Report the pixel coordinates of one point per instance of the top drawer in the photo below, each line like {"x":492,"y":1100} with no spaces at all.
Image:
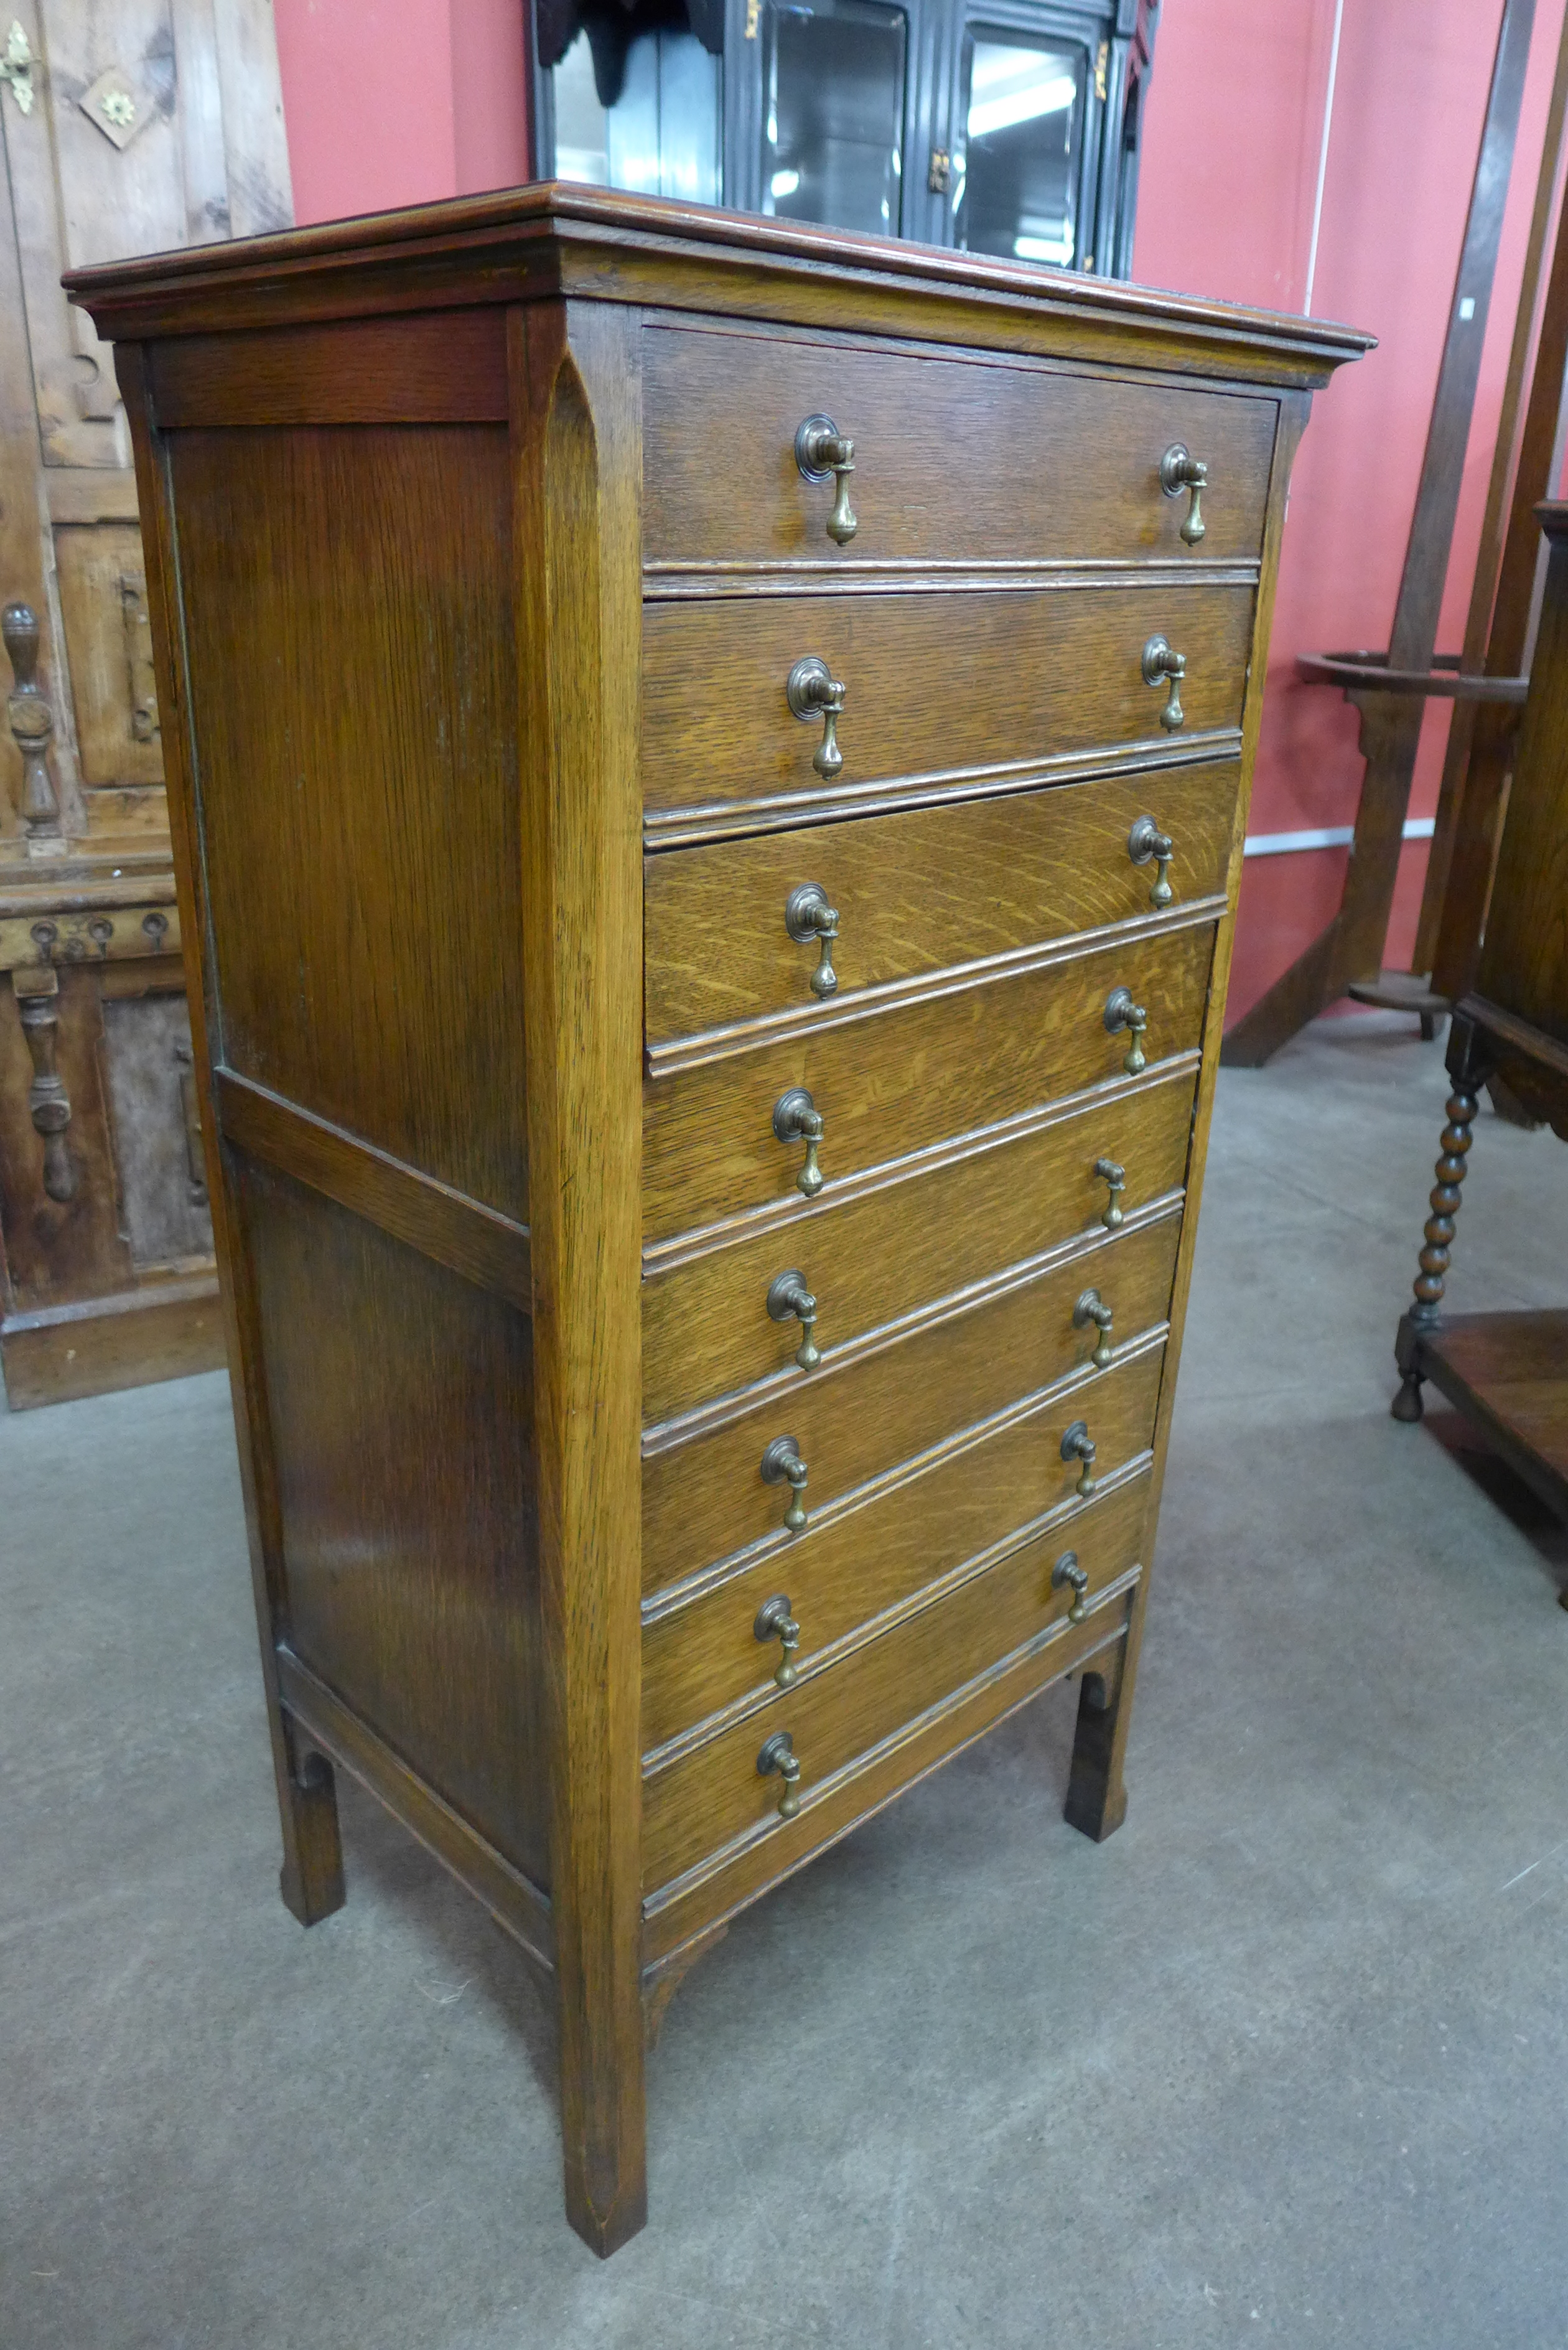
{"x":956,"y":460}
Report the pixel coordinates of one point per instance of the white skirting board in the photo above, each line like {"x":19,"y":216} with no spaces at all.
{"x":1334,"y":835}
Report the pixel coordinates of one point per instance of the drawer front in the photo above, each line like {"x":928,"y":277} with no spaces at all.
{"x":714,"y":1794}
{"x":705,"y":1499}
{"x":934,"y":685}
{"x":865,"y":1558}
{"x":909,"y":1078}
{"x":928,"y":890}
{"x":871,"y":1260}
{"x":954,"y":459}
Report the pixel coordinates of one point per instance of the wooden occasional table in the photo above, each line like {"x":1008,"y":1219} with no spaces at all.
{"x":1508,"y":1372}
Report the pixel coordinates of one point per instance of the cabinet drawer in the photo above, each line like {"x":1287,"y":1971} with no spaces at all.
{"x":935,"y":686}
{"x":871,"y":1259}
{"x":865,"y":1558}
{"x":712,"y":1794}
{"x":955,"y":460}
{"x":931,"y":889}
{"x":898,"y":1081}
{"x":704,"y":1497}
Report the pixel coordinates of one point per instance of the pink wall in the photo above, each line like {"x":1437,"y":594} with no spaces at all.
{"x":390,"y":103}
{"x":395,"y":102}
{"x":1225,"y":208}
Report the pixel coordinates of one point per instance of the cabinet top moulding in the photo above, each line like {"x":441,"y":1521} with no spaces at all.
{"x":553,"y":240}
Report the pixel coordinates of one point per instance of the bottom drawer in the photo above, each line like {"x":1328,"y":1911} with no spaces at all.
{"x":713,"y":1796}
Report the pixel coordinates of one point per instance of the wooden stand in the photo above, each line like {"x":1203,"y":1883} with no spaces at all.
{"x":1508,"y":1373}
{"x":1390,"y":689}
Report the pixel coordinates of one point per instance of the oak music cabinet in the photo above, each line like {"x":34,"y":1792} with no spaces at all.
{"x":1507,"y":1372}
{"x":709,"y":966}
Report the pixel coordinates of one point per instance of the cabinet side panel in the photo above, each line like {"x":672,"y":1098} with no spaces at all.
{"x":401,"y":1409}
{"x":353,"y":684}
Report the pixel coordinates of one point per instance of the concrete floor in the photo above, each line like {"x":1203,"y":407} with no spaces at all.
{"x":1284,"y":2063}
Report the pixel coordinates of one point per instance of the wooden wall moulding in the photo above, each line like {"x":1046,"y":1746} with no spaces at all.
{"x":739,"y":1350}
{"x":125,"y":130}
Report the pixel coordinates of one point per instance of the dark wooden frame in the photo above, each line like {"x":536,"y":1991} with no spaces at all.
{"x":1108,"y":167}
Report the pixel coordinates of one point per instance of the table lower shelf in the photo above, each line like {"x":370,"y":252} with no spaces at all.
{"x":1508,"y":1375}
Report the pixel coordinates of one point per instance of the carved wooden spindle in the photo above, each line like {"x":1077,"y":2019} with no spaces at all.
{"x":1471,"y":1058}
{"x":32,"y":719}
{"x":48,"y":1104}
{"x":1438,"y":1231}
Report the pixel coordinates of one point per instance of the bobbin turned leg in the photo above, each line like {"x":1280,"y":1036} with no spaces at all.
{"x":311,"y":1878}
{"x":1469,"y":1060}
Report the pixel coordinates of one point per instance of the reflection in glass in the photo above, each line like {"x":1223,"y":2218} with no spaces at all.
{"x":834,"y":134}
{"x":660,"y":137}
{"x":1015,"y":180}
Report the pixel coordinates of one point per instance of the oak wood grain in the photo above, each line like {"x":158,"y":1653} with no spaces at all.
{"x":906,"y":1532}
{"x":412,"y":766}
{"x":714,"y":1793}
{"x":932,"y":682}
{"x":341,"y":917}
{"x":1096,"y":1795}
{"x":311,"y":1878}
{"x":513,"y":1900}
{"x":556,"y":239}
{"x":939,"y":887}
{"x":696,"y":1905}
{"x":891,"y":1083}
{"x":575,"y":445}
{"x":448,"y":368}
{"x":399,"y":1403}
{"x":935,"y":438}
{"x":892,"y":1250}
{"x":484,"y":1247}
{"x":704,"y":1500}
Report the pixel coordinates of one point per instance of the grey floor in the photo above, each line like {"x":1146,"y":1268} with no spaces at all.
{"x":1285,"y":2061}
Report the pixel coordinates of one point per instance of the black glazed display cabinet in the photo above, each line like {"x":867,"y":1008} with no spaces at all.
{"x":1011,"y":128}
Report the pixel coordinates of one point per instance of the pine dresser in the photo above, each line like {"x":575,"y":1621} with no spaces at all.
{"x":710,"y":762}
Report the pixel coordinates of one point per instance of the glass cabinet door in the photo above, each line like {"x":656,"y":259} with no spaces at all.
{"x":1018,"y":177}
{"x":660,"y":134}
{"x":834,"y":76}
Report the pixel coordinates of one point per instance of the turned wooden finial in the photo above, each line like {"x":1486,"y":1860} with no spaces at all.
{"x":32,"y":719}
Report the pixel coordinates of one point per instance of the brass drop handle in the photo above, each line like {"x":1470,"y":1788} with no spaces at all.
{"x":1067,"y":1572}
{"x":1146,"y":840}
{"x":808,"y":916}
{"x":1179,"y":471}
{"x":796,"y":1119}
{"x":775,"y":1622}
{"x":1121,"y":1012}
{"x":813,"y":692}
{"x":1079,"y":1445}
{"x":1092,"y":1307}
{"x":1115,"y":1178}
{"x":781,"y":1463}
{"x":789,"y":1296}
{"x":1161,"y":666}
{"x":779,"y":1756}
{"x":820,"y":451}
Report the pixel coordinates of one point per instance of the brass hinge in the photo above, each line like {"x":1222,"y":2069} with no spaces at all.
{"x":1101,"y":64}
{"x":940,"y":179}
